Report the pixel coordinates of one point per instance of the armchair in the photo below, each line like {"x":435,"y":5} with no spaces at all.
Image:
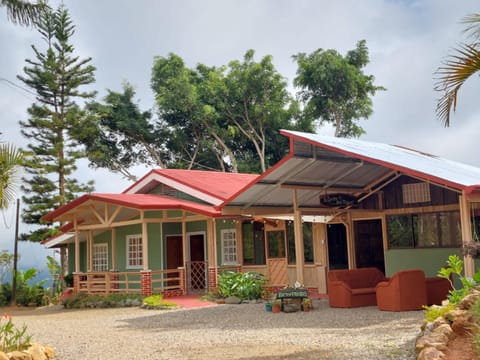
{"x":406,"y":290}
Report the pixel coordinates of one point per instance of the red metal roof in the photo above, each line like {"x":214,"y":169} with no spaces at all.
{"x":137,"y":201}
{"x":221,"y":185}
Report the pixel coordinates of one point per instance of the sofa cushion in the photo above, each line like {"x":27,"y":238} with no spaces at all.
{"x":358,"y":278}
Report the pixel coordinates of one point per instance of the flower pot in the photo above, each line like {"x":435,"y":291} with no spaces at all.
{"x":276,"y":309}
{"x":268,"y":307}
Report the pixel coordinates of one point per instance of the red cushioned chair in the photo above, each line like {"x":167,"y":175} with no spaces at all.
{"x":405,"y":290}
{"x":437,"y":290}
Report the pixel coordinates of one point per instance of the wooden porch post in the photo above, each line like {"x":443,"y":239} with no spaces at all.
{"x":298,"y":231}
{"x":90,"y":250}
{"x":114,"y":249}
{"x":144,"y":244}
{"x":465,"y":220}
{"x":77,"y":247}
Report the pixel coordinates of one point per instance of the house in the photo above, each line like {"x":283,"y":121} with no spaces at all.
{"x":330,"y":203}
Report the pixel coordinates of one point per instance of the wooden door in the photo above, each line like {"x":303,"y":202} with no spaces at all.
{"x":197,"y":264}
{"x":174,"y":257}
{"x":369,"y":244}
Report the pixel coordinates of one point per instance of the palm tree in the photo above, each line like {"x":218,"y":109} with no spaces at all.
{"x":23,"y":12}
{"x":10,"y":161}
{"x":458,"y":68}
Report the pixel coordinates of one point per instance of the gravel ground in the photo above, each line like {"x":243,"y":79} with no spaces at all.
{"x":244,"y":331}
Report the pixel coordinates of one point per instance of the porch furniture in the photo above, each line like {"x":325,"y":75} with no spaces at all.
{"x":353,"y":288}
{"x":405,"y":290}
{"x":437,"y":290}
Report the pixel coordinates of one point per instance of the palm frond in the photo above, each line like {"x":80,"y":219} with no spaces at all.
{"x":457,"y":69}
{"x":473,"y":26}
{"x":23,"y":12}
{"x":10,"y":161}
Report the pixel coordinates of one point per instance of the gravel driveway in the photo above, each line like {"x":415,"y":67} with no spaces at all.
{"x":244,"y":331}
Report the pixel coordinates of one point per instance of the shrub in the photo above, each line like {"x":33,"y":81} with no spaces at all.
{"x":455,"y":267}
{"x":11,"y":337}
{"x":433,"y":312}
{"x":246,"y":285}
{"x":157,"y":302}
{"x":81,"y":301}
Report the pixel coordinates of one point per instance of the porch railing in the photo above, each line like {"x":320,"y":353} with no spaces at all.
{"x":110,"y":282}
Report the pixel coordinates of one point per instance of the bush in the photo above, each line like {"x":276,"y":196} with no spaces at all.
{"x":11,"y":337}
{"x":82,"y":301}
{"x":246,"y":286}
{"x":433,"y":312}
{"x":157,"y":302}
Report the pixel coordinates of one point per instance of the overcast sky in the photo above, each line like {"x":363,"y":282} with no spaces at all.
{"x":407,"y":41}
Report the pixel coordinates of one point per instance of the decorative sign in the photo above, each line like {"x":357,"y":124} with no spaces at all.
{"x":292,"y":293}
{"x":338,"y":200}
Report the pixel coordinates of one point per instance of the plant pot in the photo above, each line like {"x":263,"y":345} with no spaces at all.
{"x":276,"y":309}
{"x":268,"y":307}
{"x":306,"y":308}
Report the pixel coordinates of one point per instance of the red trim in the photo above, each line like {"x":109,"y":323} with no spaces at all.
{"x":402,"y":169}
{"x":138,"y":201}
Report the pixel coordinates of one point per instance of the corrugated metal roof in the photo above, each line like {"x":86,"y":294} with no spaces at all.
{"x":319,"y":165}
{"x":396,"y":157}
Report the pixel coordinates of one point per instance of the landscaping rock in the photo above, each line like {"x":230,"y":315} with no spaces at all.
{"x":233,"y":300}
{"x":431,"y":354}
{"x":3,"y":356}
{"x":18,"y":355}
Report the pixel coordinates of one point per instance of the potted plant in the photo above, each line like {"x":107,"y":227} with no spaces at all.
{"x":276,"y":306}
{"x":306,"y":304}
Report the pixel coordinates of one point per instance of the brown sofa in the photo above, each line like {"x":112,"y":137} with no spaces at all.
{"x":405,"y":290}
{"x":353,"y":288}
{"x":437,"y":290}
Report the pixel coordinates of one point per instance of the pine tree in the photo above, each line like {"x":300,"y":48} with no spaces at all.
{"x":56,"y":75}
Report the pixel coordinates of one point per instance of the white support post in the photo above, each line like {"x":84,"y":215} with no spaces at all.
{"x":298,"y":232}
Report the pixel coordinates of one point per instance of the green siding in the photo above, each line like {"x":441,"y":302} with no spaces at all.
{"x":197,"y":226}
{"x":155,"y":249}
{"x":429,"y":260}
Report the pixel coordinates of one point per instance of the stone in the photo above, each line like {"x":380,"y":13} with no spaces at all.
{"x":19,"y":355}
{"x":3,"y":356}
{"x":467,"y":302}
{"x":36,"y":351}
{"x":49,"y":351}
{"x":233,"y":300}
{"x":431,"y":353}
{"x":436,"y":340}
{"x":446,"y":330}
{"x":463,"y":324}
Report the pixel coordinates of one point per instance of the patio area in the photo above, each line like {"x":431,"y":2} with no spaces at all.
{"x":243,"y":331}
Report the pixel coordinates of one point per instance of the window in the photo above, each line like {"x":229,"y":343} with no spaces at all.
{"x":416,"y":193}
{"x":100,"y":257}
{"x":440,"y":229}
{"x":134,"y":252}
{"x":276,"y":244}
{"x":307,"y":243}
{"x":229,"y":246}
{"x":253,"y":237}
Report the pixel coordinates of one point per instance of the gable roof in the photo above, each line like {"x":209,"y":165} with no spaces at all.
{"x":212,"y":187}
{"x":135,"y":201}
{"x":318,"y":165}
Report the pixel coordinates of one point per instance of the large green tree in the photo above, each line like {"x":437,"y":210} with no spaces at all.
{"x":230,"y":115}
{"x":457,"y":68}
{"x":57,"y":75}
{"x":23,"y":12}
{"x":335,"y":89}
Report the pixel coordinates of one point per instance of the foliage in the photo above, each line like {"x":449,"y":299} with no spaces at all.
{"x":475,"y":311}
{"x":457,"y":68}
{"x":56,"y":75}
{"x":433,"y":312}
{"x":55,"y":271}
{"x":23,"y":12}
{"x":11,"y":159}
{"x":246,"y":286}
{"x":11,"y":337}
{"x":455,"y":267}
{"x":157,"y":302}
{"x":334,"y":88}
{"x":6,"y":265}
{"x":81,"y":301}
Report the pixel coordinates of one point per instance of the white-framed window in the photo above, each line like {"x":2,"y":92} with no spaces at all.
{"x":134,"y":252}
{"x":229,"y":246}
{"x":100,"y":257}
